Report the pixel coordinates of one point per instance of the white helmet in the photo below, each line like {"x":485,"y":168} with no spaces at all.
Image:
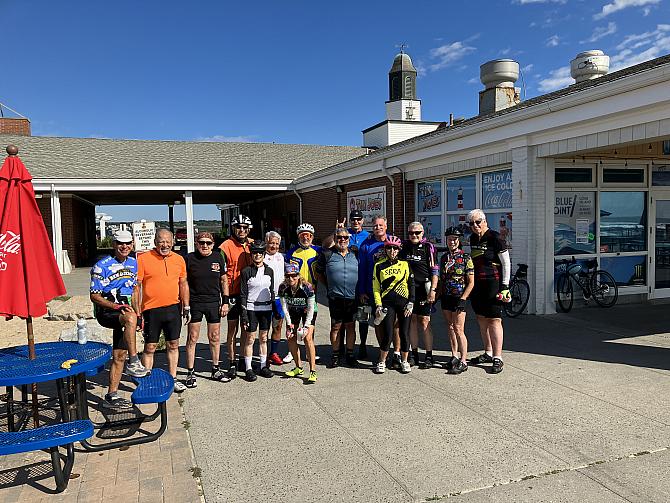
{"x":241,"y":219}
{"x":305,"y":227}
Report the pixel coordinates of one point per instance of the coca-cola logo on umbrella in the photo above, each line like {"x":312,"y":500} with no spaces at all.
{"x":9,"y":243}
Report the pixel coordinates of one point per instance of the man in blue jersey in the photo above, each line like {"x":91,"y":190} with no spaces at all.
{"x":113,"y":280}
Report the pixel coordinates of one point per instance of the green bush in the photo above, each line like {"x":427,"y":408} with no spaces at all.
{"x":105,"y":243}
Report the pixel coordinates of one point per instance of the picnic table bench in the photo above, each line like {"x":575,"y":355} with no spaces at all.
{"x":50,"y":438}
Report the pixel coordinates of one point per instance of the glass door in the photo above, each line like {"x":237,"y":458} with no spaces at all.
{"x":661,"y":234}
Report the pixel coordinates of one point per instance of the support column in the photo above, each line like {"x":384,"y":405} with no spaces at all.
{"x":56,"y":230}
{"x":171,"y":217}
{"x":190,"y":236}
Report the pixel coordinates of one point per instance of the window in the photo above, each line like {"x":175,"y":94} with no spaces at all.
{"x":623,"y":222}
{"x":429,"y":209}
{"x":623,"y":175}
{"x":627,"y":270}
{"x":497,"y":202}
{"x":574,"y":222}
{"x":461,"y":198}
{"x":574,"y":175}
{"x":660,"y":176}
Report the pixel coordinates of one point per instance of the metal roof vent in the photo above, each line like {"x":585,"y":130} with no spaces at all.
{"x":499,"y":73}
{"x":589,"y":65}
{"x":498,"y":76}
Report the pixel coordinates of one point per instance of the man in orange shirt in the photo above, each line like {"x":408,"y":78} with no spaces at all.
{"x":161,"y":279}
{"x":236,"y":253}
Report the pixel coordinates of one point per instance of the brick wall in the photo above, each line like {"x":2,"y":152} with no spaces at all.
{"x":44,"y":204}
{"x":15,"y":126}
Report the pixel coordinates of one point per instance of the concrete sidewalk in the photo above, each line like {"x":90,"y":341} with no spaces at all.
{"x":579,"y":413}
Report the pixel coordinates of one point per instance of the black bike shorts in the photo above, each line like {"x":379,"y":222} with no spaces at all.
{"x":483,"y":298}
{"x":211,"y":311}
{"x":165,"y":319}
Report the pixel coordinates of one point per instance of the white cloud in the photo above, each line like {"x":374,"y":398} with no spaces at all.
{"x":641,"y":47}
{"x":473,"y":80}
{"x":618,"y":5}
{"x":600,"y":32}
{"x":228,"y":139}
{"x":449,"y":53}
{"x":557,"y":79}
{"x":527,"y":68}
{"x":552,"y":41}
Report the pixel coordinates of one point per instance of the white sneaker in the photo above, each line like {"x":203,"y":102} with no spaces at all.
{"x":179,"y":387}
{"x":405,"y":367}
{"x":288,"y":358}
{"x":380,"y":368}
{"x":136,"y":369}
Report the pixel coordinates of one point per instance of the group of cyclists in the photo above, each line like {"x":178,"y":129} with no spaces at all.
{"x":371,"y":277}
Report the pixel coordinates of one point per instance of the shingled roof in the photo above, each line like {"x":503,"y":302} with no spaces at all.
{"x":93,"y":158}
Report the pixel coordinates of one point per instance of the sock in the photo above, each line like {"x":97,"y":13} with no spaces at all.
{"x":111,"y":395}
{"x":274,"y":346}
{"x":215,"y":368}
{"x":247,"y":362}
{"x":429,"y":353}
{"x":498,"y":357}
{"x":396,"y":354}
{"x":232,"y":364}
{"x":489,"y":352}
{"x":191,"y":371}
{"x":264,"y":359}
{"x":134,"y":359}
{"x":415,"y":354}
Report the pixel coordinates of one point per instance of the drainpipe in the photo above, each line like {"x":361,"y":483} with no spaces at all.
{"x":386,"y":174}
{"x":404,"y":201}
{"x":299,"y":205}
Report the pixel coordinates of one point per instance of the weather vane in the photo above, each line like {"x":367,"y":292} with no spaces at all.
{"x":402,"y":46}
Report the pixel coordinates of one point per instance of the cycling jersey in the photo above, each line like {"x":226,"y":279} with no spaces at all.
{"x":341,"y":273}
{"x":484,"y":252}
{"x":392,"y":279}
{"x":257,"y":291}
{"x":453,"y":269}
{"x":299,"y":304}
{"x":114,"y":280}
{"x":204,"y":273}
{"x":160,"y":276}
{"x":370,"y":251}
{"x":356,"y":239}
{"x":306,"y":259}
{"x":422,"y":260}
{"x":237,"y":258}
{"x":276,"y":263}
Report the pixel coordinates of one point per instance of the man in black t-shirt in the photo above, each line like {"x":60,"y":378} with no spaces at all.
{"x":206,"y":275}
{"x":492,"y":272}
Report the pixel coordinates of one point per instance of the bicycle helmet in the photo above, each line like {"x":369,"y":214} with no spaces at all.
{"x":305,"y":227}
{"x":241,"y":220}
{"x":291,"y":268}
{"x":257,"y":247}
{"x":453,"y":231}
{"x":393,"y":241}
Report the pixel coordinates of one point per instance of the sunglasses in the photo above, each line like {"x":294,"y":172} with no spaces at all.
{"x":206,"y":243}
{"x":242,"y":227}
{"x":123,"y":243}
{"x":342,"y":238}
{"x":476,"y":222}
{"x":415,"y":233}
{"x":292,"y":275}
{"x":356,"y":219}
{"x":392,"y":248}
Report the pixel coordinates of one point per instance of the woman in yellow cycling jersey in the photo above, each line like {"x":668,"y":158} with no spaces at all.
{"x":393,"y":290}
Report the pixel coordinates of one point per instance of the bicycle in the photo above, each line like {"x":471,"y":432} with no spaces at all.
{"x":519,"y":290}
{"x":595,"y":283}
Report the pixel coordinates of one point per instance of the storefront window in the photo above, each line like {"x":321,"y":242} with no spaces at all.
{"x":497,"y":202}
{"x":660,"y":176}
{"x":623,"y":175}
{"x":623,"y":221}
{"x":462,"y":193}
{"x":627,"y":271}
{"x":573,"y":175}
{"x":429,"y":209}
{"x":574,"y":222}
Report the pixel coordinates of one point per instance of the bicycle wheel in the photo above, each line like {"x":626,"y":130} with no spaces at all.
{"x":520,"y":292}
{"x":604,"y":288}
{"x":564,"y":292}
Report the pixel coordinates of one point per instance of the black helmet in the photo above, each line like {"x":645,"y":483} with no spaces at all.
{"x":453,"y":231}
{"x":257,"y":247}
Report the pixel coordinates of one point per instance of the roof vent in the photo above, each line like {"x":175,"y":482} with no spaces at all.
{"x":589,"y":65}
{"x":499,"y":73}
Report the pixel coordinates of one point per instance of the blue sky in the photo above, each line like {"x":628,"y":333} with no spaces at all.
{"x":290,"y":72}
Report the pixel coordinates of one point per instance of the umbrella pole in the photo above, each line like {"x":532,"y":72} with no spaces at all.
{"x":31,"y":355}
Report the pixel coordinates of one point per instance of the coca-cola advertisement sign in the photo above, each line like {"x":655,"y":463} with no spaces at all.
{"x":497,"y":190}
{"x":10,"y":244}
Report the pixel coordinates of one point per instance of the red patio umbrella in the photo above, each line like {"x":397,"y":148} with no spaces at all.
{"x":29,"y":276}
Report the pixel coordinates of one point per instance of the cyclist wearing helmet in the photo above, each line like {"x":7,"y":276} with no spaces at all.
{"x":393,"y":290}
{"x":235,"y":250}
{"x":299,"y":306}
{"x":457,"y":274}
{"x":257,"y":295}
{"x":421,"y":256}
{"x":492,"y":272}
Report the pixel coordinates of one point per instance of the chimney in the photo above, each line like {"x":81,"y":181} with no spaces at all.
{"x":498,"y":77}
{"x":14,"y":126}
{"x":589,"y":65}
